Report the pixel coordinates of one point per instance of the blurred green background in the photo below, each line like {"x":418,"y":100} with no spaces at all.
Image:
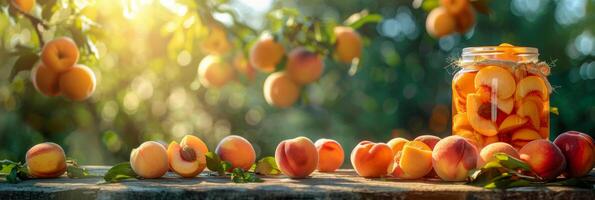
{"x":147,"y":58}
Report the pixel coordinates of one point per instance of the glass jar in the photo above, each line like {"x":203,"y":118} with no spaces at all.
{"x":501,"y":94}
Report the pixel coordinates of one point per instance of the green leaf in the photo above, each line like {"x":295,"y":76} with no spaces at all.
{"x":428,"y":5}
{"x":267,"y":166}
{"x":13,"y":176}
{"x":23,"y":63}
{"x":119,"y":172}
{"x":511,"y":162}
{"x":554,"y":110}
{"x":357,"y":20}
{"x":238,"y":175}
{"x":215,"y":164}
{"x":77,"y":172}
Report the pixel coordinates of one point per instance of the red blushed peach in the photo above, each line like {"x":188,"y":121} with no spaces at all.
{"x":46,"y":160}
{"x":396,"y":144}
{"x":579,"y":151}
{"x":544,"y":158}
{"x":453,"y":157}
{"x":330,"y":155}
{"x":237,"y":151}
{"x":487,"y":153}
{"x":371,"y":160}
{"x":297,"y":158}
{"x":304,"y":66}
{"x":429,"y":140}
{"x":149,"y":160}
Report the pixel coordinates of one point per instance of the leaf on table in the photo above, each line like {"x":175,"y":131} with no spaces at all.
{"x":215,"y":164}
{"x":238,"y":175}
{"x":119,"y":172}
{"x":267,"y":166}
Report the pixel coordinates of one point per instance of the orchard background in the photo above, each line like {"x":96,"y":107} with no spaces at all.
{"x":145,"y":55}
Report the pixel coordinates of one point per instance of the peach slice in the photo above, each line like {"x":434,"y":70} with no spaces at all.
{"x":531,"y":110}
{"x":490,"y":140}
{"x":185,"y":160}
{"x":464,"y":84}
{"x":396,"y":144}
{"x":415,"y":161}
{"x":524,"y":136}
{"x":505,"y":105}
{"x":484,"y":126}
{"x":498,"y":79}
{"x":460,"y":122}
{"x":512,"y":122}
{"x":532,"y":84}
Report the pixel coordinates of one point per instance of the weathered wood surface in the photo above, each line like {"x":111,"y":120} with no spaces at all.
{"x":341,"y":185}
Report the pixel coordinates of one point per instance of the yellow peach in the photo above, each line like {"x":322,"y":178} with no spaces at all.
{"x":396,"y":144}
{"x":280,"y":90}
{"x":77,"y":83}
{"x":371,"y":160}
{"x":330,"y":155}
{"x":60,"y":54}
{"x":149,"y":160}
{"x":237,"y":151}
{"x":440,"y":22}
{"x":414,"y":161}
{"x":266,"y":53}
{"x":214,"y":72}
{"x":46,"y":160}
{"x":45,"y":80}
{"x":348,"y":44}
{"x":532,"y":84}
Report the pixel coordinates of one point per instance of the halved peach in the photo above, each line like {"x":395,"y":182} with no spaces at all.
{"x":498,"y":79}
{"x":524,"y":136}
{"x":512,"y":122}
{"x":194,"y":142}
{"x":396,"y":144}
{"x":414,"y":161}
{"x":531,"y":110}
{"x":505,"y":105}
{"x":185,"y":160}
{"x":532,"y":84}
{"x":484,"y":126}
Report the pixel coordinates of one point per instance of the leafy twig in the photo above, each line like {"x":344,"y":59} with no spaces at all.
{"x":36,"y":22}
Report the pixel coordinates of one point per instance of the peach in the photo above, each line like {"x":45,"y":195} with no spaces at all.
{"x":472,"y":137}
{"x":46,"y":160}
{"x":532,"y":84}
{"x":237,"y":151}
{"x":490,"y":140}
{"x":280,"y":90}
{"x":149,"y":160}
{"x":216,"y":42}
{"x":453,"y":157}
{"x":330,"y":155}
{"x":266,"y":53}
{"x":429,"y":140}
{"x":371,"y":160}
{"x":45,"y":80}
{"x":77,"y":83}
{"x":414,"y":161}
{"x":512,"y":122}
{"x":505,"y":105}
{"x":214,"y":72}
{"x":297,"y":158}
{"x":532,"y":111}
{"x":455,"y":6}
{"x":465,"y":19}
{"x":348,"y":44}
{"x":396,"y":144}
{"x":60,"y":54}
{"x":304,"y":66}
{"x":440,"y":22}
{"x":25,"y":5}
{"x":579,"y":151}
{"x":487,"y":153}
{"x":544,"y":158}
{"x":482,"y":125}
{"x":187,"y":159}
{"x":243,"y":66}
{"x":523,"y":136}
{"x":498,"y":79}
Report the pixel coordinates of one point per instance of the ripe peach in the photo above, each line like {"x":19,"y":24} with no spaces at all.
{"x":60,"y":54}
{"x":304,"y":66}
{"x":77,"y":83}
{"x":440,"y":23}
{"x":523,"y":136}
{"x":237,"y":151}
{"x":498,"y":79}
{"x":266,"y":53}
{"x":453,"y":157}
{"x":512,"y":122}
{"x":149,"y":160}
{"x":371,"y":159}
{"x":544,"y":158}
{"x":429,"y":140}
{"x":280,"y":90}
{"x":455,"y":6}
{"x":465,"y":19}
{"x":297,"y":158}
{"x":579,"y":151}
{"x":216,"y":42}
{"x":348,"y":45}
{"x":188,"y":158}
{"x":414,"y":161}
{"x":214,"y":72}
{"x":472,"y":137}
{"x":25,"y":5}
{"x":487,"y":153}
{"x":46,"y":160}
{"x":330,"y":155}
{"x":45,"y":80}
{"x":396,"y":144}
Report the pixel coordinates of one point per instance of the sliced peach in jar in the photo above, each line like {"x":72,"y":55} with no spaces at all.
{"x":480,"y":124}
{"x":497,"y":78}
{"x":505,"y":105}
{"x":512,"y":122}
{"x":463,"y":83}
{"x":460,"y":122}
{"x":532,"y":84}
{"x":524,"y":136}
{"x":531,"y":110}
{"x":544,"y":132}
{"x":490,"y":140}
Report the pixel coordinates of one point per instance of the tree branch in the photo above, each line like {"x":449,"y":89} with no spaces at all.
{"x":36,"y":22}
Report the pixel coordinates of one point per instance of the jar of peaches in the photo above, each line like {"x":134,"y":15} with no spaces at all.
{"x":501,"y":94}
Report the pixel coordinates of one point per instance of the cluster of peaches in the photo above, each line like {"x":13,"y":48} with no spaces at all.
{"x":282,"y":88}
{"x":452,"y":16}
{"x":58,"y":73}
{"x":501,"y":103}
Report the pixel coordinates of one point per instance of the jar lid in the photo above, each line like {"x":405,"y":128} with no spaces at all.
{"x":492,"y":50}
